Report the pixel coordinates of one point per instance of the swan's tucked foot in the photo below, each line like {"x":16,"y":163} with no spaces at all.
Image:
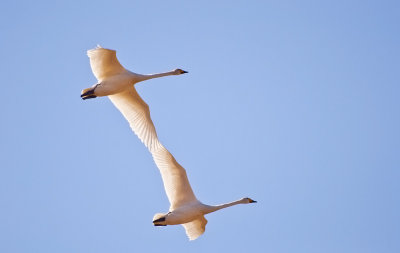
{"x":158,"y":221}
{"x":88,"y":93}
{"x":87,"y":97}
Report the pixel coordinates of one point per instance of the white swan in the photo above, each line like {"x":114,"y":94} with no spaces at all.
{"x":185,"y":209}
{"x":117,"y":83}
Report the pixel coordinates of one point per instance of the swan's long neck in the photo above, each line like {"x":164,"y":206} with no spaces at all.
{"x":210,"y":209}
{"x":151,"y":76}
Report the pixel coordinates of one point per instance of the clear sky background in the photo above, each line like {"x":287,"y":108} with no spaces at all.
{"x":293,"y":103}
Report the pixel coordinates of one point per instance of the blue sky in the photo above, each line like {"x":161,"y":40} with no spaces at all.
{"x":292,"y":103}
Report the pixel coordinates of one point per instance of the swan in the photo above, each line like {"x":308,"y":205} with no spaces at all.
{"x":117,"y":83}
{"x":185,"y":208}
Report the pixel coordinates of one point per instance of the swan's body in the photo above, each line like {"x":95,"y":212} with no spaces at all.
{"x":185,"y":209}
{"x":117,"y":83}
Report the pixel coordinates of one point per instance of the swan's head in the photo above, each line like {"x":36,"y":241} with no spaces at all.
{"x":249,"y":200}
{"x":179,"y":71}
{"x":160,"y":219}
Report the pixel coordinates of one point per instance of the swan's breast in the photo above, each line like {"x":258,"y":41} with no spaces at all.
{"x":114,"y":84}
{"x":185,"y":214}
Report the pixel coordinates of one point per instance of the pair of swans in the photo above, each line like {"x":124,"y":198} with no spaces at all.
{"x":117,"y":83}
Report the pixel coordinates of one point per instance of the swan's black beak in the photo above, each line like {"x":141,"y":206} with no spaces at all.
{"x":184,"y":72}
{"x":253,"y":201}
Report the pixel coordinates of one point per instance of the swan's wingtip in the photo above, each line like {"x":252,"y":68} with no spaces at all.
{"x":97,"y":47}
{"x":90,"y":52}
{"x":193,"y":237}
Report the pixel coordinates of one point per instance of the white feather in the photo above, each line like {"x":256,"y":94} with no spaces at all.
{"x":118,"y":84}
{"x":104,"y":63}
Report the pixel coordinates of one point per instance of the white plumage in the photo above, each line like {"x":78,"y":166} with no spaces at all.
{"x":137,"y":112}
{"x":104,"y":63}
{"x":195,"y":228}
{"x":117,"y":83}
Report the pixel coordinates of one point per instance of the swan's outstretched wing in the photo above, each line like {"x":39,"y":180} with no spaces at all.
{"x":137,"y":112}
{"x":104,"y":63}
{"x":195,"y":228}
{"x":174,"y":176}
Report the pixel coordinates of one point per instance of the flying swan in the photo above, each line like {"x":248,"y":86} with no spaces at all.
{"x":117,"y":83}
